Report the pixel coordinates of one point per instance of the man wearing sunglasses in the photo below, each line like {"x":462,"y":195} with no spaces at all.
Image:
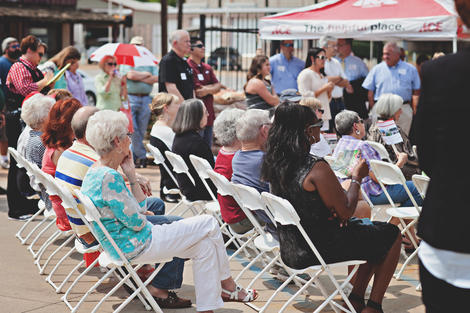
{"x":285,"y":67}
{"x":205,"y":84}
{"x":23,"y":78}
{"x":140,"y":80}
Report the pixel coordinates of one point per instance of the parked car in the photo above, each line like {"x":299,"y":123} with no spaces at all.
{"x":89,"y":84}
{"x":234,"y":58}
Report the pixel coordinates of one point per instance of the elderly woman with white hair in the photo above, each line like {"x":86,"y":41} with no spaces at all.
{"x":190,"y":119}
{"x":198,"y":238}
{"x":34,"y":113}
{"x":388,"y":107}
{"x":225,"y":134}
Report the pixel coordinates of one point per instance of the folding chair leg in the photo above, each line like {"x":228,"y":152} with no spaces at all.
{"x":65,"y":243}
{"x":45,"y":245}
{"x":242,"y":247}
{"x":30,"y":247}
{"x":18,"y":234}
{"x":49,"y":277}
{"x":265,"y":269}
{"x":408,"y":259}
{"x":248,"y":266}
{"x":38,"y":225}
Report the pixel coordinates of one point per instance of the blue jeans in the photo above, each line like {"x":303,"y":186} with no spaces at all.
{"x":206,"y":134}
{"x":398,"y":195}
{"x":140,"y":120}
{"x":171,"y":274}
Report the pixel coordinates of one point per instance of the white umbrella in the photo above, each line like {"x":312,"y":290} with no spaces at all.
{"x":127,"y":54}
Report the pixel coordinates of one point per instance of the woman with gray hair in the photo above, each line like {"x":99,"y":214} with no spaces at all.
{"x":226,"y":135}
{"x":198,"y":238}
{"x":388,"y":107}
{"x":190,"y":119}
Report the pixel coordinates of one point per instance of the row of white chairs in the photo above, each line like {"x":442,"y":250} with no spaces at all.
{"x":279,"y":211}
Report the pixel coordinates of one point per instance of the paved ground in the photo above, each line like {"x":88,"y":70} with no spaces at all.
{"x":24,"y":290}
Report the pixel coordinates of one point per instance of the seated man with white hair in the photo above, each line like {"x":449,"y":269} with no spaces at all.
{"x":198,"y":238}
{"x":252,"y":130}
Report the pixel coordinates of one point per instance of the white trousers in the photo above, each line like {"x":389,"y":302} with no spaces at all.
{"x":199,"y":239}
{"x":406,"y":118}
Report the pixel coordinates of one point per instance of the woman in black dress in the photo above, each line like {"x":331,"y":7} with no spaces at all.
{"x":325,"y":209}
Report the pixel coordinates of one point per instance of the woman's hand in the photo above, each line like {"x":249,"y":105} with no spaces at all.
{"x":128,"y":168}
{"x":402,"y":159}
{"x":361,"y":170}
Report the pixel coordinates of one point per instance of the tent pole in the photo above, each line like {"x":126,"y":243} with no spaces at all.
{"x":454,"y":44}
{"x":371,"y":50}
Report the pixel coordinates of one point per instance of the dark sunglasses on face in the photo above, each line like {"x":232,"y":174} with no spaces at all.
{"x":288,"y":45}
{"x":15,"y":46}
{"x":319,"y":123}
{"x":321,"y":57}
{"x":112,"y":64}
{"x":321,"y":111}
{"x":199,"y":45}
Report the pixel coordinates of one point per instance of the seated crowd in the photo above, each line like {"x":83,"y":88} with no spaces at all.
{"x":86,"y":148}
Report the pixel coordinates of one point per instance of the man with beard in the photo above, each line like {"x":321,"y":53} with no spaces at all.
{"x":11,"y":53}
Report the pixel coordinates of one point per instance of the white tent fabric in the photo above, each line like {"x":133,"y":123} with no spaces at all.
{"x":365,"y":20}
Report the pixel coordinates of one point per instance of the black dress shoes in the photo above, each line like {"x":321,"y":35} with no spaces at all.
{"x":170,"y":198}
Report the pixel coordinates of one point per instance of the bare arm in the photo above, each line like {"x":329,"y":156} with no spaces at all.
{"x":136,"y":75}
{"x":414,"y":101}
{"x":209,"y":90}
{"x":256,"y":86}
{"x":151,"y":80}
{"x":370,"y":97}
{"x":171,"y":88}
{"x":325,"y":88}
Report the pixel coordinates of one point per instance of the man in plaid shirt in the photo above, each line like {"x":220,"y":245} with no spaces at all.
{"x":23,"y":78}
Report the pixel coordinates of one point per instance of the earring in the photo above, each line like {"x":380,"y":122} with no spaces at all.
{"x":357,"y":132}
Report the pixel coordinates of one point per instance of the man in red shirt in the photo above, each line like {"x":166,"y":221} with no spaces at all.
{"x":205,"y":84}
{"x":23,"y":78}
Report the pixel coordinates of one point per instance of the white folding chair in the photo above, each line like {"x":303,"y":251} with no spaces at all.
{"x":225,"y":188}
{"x":21,"y":162}
{"x":106,"y":260}
{"x":390,"y":174}
{"x":179,"y":166}
{"x":160,"y":160}
{"x":381,"y":150}
{"x":285,"y":214}
{"x":421,"y":182}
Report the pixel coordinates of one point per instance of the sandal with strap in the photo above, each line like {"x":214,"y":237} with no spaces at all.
{"x":233,"y":296}
{"x":374,"y":305}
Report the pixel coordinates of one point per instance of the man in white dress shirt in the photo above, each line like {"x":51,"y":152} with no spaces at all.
{"x":335,"y":74}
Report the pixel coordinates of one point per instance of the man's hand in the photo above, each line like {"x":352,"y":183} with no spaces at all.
{"x":148,"y":213}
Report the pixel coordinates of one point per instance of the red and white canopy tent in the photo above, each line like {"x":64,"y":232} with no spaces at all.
{"x":366,"y":20}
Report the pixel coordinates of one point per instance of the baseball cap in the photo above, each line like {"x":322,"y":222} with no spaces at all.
{"x":6,"y":42}
{"x":137,"y":40}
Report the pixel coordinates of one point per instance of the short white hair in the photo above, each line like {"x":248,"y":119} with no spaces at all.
{"x":224,"y":126}
{"x":394,"y":45}
{"x":248,"y":125}
{"x":35,"y":110}
{"x":323,"y":42}
{"x":103,"y":127}
{"x":387,"y":105}
{"x":176,"y":35}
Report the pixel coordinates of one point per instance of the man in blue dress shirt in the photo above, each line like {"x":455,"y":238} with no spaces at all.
{"x":285,"y":67}
{"x":355,"y":70}
{"x":393,"y":75}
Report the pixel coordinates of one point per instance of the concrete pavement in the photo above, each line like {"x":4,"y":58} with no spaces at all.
{"x":24,"y":290}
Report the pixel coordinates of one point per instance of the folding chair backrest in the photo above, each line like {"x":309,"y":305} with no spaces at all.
{"x":45,"y":179}
{"x":381,"y":150}
{"x":160,"y":160}
{"x":202,"y":166}
{"x":179,"y":166}
{"x":421,"y":182}
{"x":223,"y":185}
{"x":285,"y":214}
{"x":92,"y":214}
{"x":251,"y":199}
{"x":16,"y":155}
{"x":390,"y":174}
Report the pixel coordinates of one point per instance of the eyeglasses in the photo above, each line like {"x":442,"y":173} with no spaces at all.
{"x":111,"y":64}
{"x":360,"y":121}
{"x":321,"y":57}
{"x":15,"y":46}
{"x":319,"y":123}
{"x":40,"y":54}
{"x":288,"y":45}
{"x":321,"y":111}
{"x":199,"y":45}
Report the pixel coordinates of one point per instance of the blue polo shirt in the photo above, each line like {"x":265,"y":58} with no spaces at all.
{"x":284,"y":72}
{"x":354,"y":68}
{"x":5,"y":65}
{"x":400,"y":79}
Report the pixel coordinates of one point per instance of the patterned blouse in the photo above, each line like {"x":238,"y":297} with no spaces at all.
{"x":121,"y":214}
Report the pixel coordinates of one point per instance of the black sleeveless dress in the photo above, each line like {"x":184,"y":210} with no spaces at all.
{"x":357,"y":240}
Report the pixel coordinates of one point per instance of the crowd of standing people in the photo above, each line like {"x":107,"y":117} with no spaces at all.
{"x":273,"y":146}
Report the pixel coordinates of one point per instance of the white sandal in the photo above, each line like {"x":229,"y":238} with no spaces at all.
{"x":251,"y":295}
